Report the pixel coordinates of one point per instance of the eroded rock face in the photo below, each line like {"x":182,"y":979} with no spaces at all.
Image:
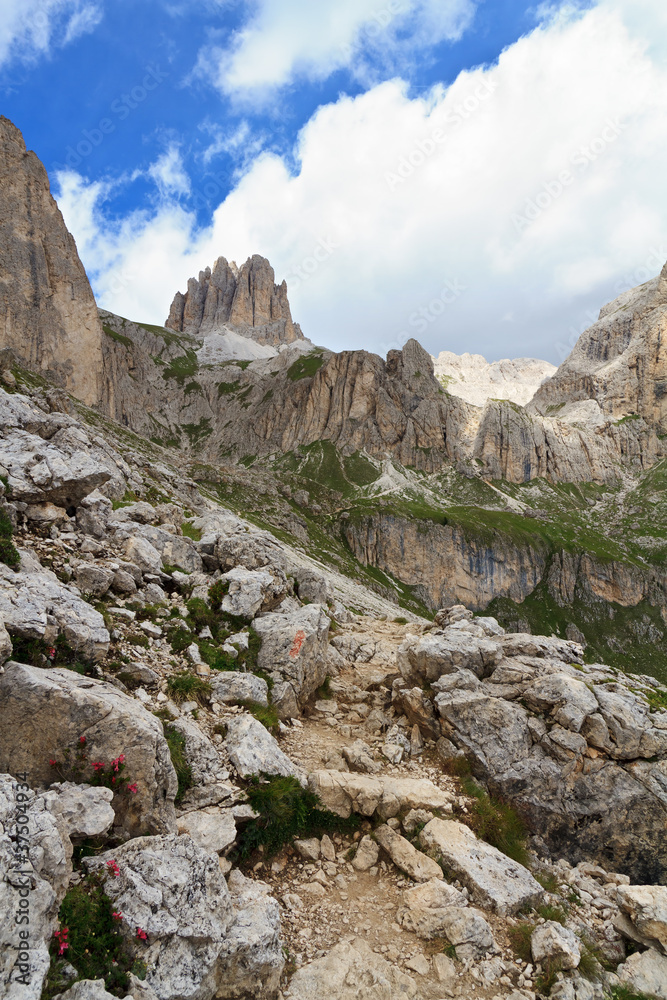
{"x":45,"y":711}
{"x":245,"y":299}
{"x":48,"y":315}
{"x":352,"y":973}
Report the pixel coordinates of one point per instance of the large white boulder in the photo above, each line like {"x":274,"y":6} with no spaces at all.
{"x":345,"y":792}
{"x":295,"y":653}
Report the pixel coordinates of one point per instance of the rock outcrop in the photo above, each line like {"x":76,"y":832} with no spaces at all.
{"x":48,"y":315}
{"x":245,"y":299}
{"x":471,"y":377}
{"x":617,"y":368}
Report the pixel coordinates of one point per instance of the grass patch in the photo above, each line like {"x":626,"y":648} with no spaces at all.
{"x":324,"y":690}
{"x":622,"y":992}
{"x":182,"y":368}
{"x":176,"y":743}
{"x":118,"y":337}
{"x":286,"y":810}
{"x":228,"y":388}
{"x":547,"y":880}
{"x":520,"y":940}
{"x":198,"y":432}
{"x":266,"y":714}
{"x":95,"y":946}
{"x":555,"y":913}
{"x":496,"y":822}
{"x":189,"y":531}
{"x":38,"y":653}
{"x":185,"y":686}
{"x":8,"y":553}
{"x":305,"y":367}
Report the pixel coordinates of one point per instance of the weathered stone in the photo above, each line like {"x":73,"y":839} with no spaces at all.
{"x":367,"y":854}
{"x":646,"y":906}
{"x":232,"y":686}
{"x":309,"y":849}
{"x":143,"y":554}
{"x":552,"y":943}
{"x":35,"y":604}
{"x":406,"y":857}
{"x":313,"y":587}
{"x":91,"y":579}
{"x":85,"y":810}
{"x":88,"y":989}
{"x":421,"y":910}
{"x":645,"y":972}
{"x":493,"y":879}
{"x":46,"y":711}
{"x":213,"y":829}
{"x":253,"y":750}
{"x":427,"y":658}
{"x":359,"y":757}
{"x":294,"y":653}
{"x":5,"y":644}
{"x":251,"y":962}
{"x":346,"y":792}
{"x":351,"y":972}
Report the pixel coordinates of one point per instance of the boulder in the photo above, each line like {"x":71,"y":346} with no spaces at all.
{"x":251,"y":962}
{"x":367,"y":854}
{"x":91,"y":579}
{"x":85,"y":810}
{"x":232,"y":687}
{"x":645,"y":972}
{"x":646,"y":906}
{"x":493,"y":880}
{"x":294,"y":653}
{"x":46,"y":711}
{"x":253,"y":750}
{"x":359,"y":757}
{"x":426,"y":658}
{"x":253,"y":590}
{"x":345,"y":792}
{"x":140,"y":551}
{"x":212,"y":828}
{"x":351,"y":972}
{"x":554,"y":945}
{"x":209,"y":775}
{"x":421,"y":910}
{"x":406,"y":857}
{"x":5,"y":644}
{"x":312,"y":587}
{"x":417,"y":708}
{"x":34,"y":604}
{"x":88,"y":989}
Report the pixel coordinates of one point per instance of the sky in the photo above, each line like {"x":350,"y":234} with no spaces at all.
{"x":482,"y":175}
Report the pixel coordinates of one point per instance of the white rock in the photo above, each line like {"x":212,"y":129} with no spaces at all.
{"x":85,"y":810}
{"x":646,"y":906}
{"x":88,"y":989}
{"x":351,"y":972}
{"x":253,"y":750}
{"x":367,"y":854}
{"x":550,"y":942}
{"x":345,"y":792}
{"x":406,"y":857}
{"x":309,"y":849}
{"x":421,"y":911}
{"x":233,"y":686}
{"x":493,"y":879}
{"x":213,"y":829}
{"x":645,"y":972}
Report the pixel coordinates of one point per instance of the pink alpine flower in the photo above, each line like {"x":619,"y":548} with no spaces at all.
{"x":53,"y":762}
{"x":82,"y":740}
{"x":117,"y":916}
{"x":132,"y":788}
{"x":113,"y":867}
{"x":61,"y":938}
{"x":142,"y":935}
{"x":98,"y":765}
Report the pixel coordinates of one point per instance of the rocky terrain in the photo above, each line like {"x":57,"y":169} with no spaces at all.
{"x":316,"y":678}
{"x":473,"y":378}
{"x":161,"y":653}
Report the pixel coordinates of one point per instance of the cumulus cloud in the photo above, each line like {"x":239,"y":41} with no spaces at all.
{"x":168,"y":173}
{"x":285,"y":39}
{"x":495,"y":215}
{"x":29,"y":29}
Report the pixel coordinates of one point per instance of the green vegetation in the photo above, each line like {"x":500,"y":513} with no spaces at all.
{"x":89,"y":938}
{"x":118,"y":337}
{"x":555,"y":913}
{"x":185,"y":686}
{"x":198,"y":432}
{"x":305,"y":367}
{"x":189,"y":531}
{"x":8,"y":553}
{"x":324,"y":690}
{"x":495,"y":822}
{"x":520,"y":940}
{"x":184,"y":367}
{"x":267,"y":715}
{"x":227,"y":388}
{"x":38,"y":653}
{"x":286,"y":810}
{"x":176,"y":743}
{"x":622,"y":992}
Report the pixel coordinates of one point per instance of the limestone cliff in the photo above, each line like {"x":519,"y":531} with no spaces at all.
{"x":619,"y":365}
{"x":48,"y":316}
{"x":245,"y":299}
{"x":474,"y":379}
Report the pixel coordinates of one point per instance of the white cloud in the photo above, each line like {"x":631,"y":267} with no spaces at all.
{"x":169,"y":174}
{"x":30,"y":29}
{"x":492,"y":216}
{"x":285,"y":39}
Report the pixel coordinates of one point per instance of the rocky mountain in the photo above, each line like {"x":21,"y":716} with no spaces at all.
{"x":159,"y":653}
{"x":473,"y":378}
{"x":227,"y":307}
{"x":240,"y":756}
{"x":617,"y":369}
{"x":48,"y":314}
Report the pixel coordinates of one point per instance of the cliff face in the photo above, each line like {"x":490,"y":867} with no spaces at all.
{"x":48,"y":315}
{"x":246,"y":299}
{"x":619,"y":363}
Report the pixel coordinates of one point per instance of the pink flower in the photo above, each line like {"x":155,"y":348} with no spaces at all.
{"x":82,"y":740}
{"x":117,"y":916}
{"x":113,"y":867}
{"x":118,"y":761}
{"x":98,"y":766}
{"x":61,"y":938}
{"x":51,"y":653}
{"x":132,"y":788}
{"x":53,"y":762}
{"x":142,"y":935}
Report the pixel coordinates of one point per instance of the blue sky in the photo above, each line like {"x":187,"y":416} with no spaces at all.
{"x":480,"y":175}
